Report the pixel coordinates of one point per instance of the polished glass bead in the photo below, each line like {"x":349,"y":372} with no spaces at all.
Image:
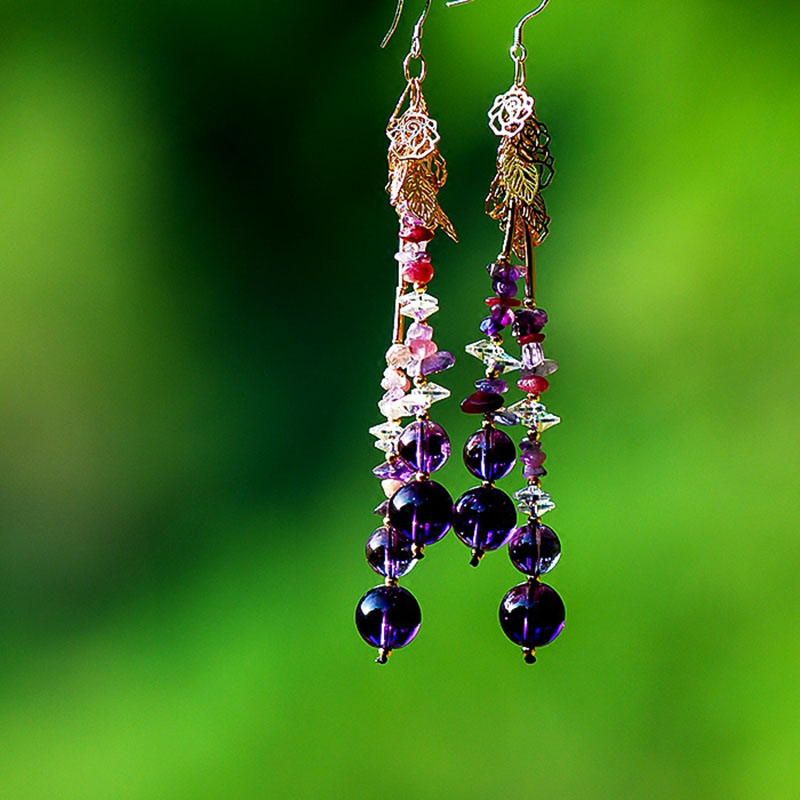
{"x":424,"y":446}
{"x":421,"y":348}
{"x":388,"y":617}
{"x":490,"y":327}
{"x":489,"y":454}
{"x":417,"y":305}
{"x":420,"y":330}
{"x":534,"y":548}
{"x":502,"y":315}
{"x":387,"y":434}
{"x":389,"y":552}
{"x":547,"y":367}
{"x":419,"y":269}
{"x":416,"y":233}
{"x":395,"y":469}
{"x":532,"y":614}
{"x":422,"y":397}
{"x":423,"y":510}
{"x":483,"y":518}
{"x":481,"y":403}
{"x":530,"y":452}
{"x":505,"y":417}
{"x":534,"y":500}
{"x":398,"y":355}
{"x":493,"y":356}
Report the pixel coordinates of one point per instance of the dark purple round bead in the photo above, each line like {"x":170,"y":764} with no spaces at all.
{"x":424,"y":445}
{"x":389,"y":552}
{"x":534,"y":548}
{"x":388,"y":617}
{"x":483,"y":518}
{"x":481,"y":403}
{"x":489,"y":454}
{"x":423,"y":510}
{"x":532,"y":614}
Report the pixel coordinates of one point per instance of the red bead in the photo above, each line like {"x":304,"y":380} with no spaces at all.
{"x":503,"y":301}
{"x":481,"y":403}
{"x":418,"y":271}
{"x":533,"y":384}
{"x":416,"y":233}
{"x":531,"y":337}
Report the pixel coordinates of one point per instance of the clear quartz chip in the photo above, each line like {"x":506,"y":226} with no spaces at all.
{"x":493,"y":355}
{"x":534,"y":414}
{"x":387,"y":434}
{"x":534,"y":500}
{"x":418,"y":306}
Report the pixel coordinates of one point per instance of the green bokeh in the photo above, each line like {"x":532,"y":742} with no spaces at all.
{"x":197,"y":253}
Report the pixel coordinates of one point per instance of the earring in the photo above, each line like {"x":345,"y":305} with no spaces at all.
{"x":417,"y":511}
{"x":531,"y":614}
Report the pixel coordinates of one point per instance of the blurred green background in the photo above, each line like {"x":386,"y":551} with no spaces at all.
{"x":197,"y":262}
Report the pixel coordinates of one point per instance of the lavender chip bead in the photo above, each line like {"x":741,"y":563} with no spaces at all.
{"x":496,"y":385}
{"x":395,"y":470}
{"x":424,"y":446}
{"x":502,"y":315}
{"x":504,"y":288}
{"x":438,"y":362}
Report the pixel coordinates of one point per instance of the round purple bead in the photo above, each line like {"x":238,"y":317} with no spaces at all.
{"x":424,"y":445}
{"x":483,"y":518}
{"x":389,"y":552}
{"x":534,"y":548}
{"x":532,"y":614}
{"x":423,"y":510}
{"x":489,"y":454}
{"x":388,"y":617}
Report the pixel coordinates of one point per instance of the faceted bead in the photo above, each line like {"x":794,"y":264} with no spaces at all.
{"x":502,"y":315}
{"x":421,"y":348}
{"x":503,"y":272}
{"x":532,"y":355}
{"x":490,"y":327}
{"x":496,"y":385}
{"x":421,"y":397}
{"x":534,"y":500}
{"x":420,"y":330}
{"x":419,"y":269}
{"x":534,"y":415}
{"x":483,"y":518}
{"x":398,"y":355}
{"x":481,"y":403}
{"x":396,"y":469}
{"x":388,"y":617}
{"x":387,"y":433}
{"x":505,"y":288}
{"x":493,"y":356}
{"x":389,"y":552}
{"x":489,"y":454}
{"x":533,"y":384}
{"x":390,"y":486}
{"x":529,"y":320}
{"x":438,"y":362}
{"x":416,"y":233}
{"x":424,"y":446}
{"x":532,"y":614}
{"x":534,"y":548}
{"x":417,"y":305}
{"x":423,"y":510}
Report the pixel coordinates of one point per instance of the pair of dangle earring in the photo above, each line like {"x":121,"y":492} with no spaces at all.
{"x":419,"y":511}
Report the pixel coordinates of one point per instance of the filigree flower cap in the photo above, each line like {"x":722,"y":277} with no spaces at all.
{"x":510,"y":110}
{"x":413,"y":135}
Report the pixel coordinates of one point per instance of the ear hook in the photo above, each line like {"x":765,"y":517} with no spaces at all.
{"x":416,"y":37}
{"x":518,"y":52}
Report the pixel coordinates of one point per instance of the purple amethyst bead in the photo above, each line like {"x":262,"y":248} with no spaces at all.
{"x":528,"y":321}
{"x":424,"y":446}
{"x":395,"y":469}
{"x":534,"y":548}
{"x":532,"y":614}
{"x":423,"y":510}
{"x":489,"y":454}
{"x":503,"y":272}
{"x":438,"y":362}
{"x":388,"y":617}
{"x":382,"y":508}
{"x":502,"y":315}
{"x":389,"y":552}
{"x":489,"y":327}
{"x":483,"y":518}
{"x":533,"y":472}
{"x":504,"y":288}
{"x":493,"y":385}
